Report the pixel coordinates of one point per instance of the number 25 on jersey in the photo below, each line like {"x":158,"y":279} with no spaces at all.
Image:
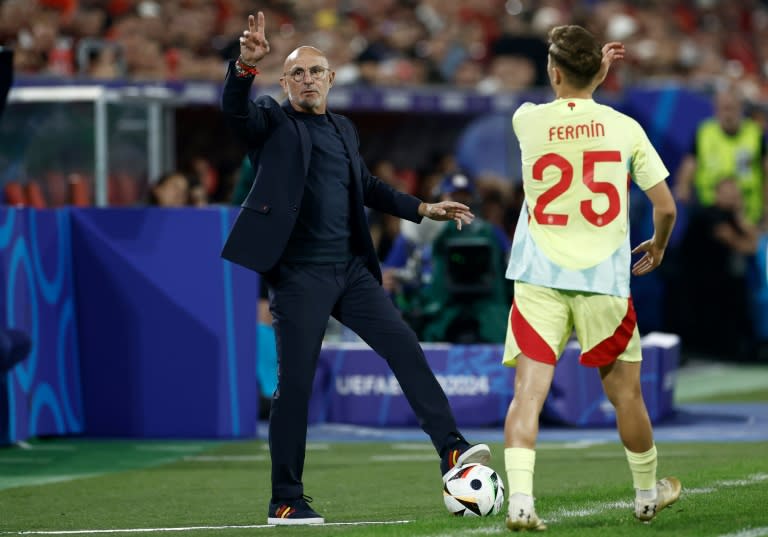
{"x":590,"y":159}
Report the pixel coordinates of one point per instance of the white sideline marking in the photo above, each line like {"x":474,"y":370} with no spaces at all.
{"x":619,"y":455}
{"x":592,"y":509}
{"x":311,"y":446}
{"x":366,"y":523}
{"x":170,"y":448}
{"x":700,"y":490}
{"x":23,"y":481}
{"x":748,"y":532}
{"x":756,"y":478}
{"x":404,"y":458}
{"x":195,"y":528}
{"x":581,"y":444}
{"x":41,"y":447}
{"x":584,"y":444}
{"x":413,"y":446}
{"x":601,"y":507}
{"x":25,"y":460}
{"x":136,"y":530}
{"x":224,"y":458}
{"x":578,"y":444}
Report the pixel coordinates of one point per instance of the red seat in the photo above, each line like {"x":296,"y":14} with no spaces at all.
{"x":79,"y":191}
{"x":56,"y":188}
{"x":14,"y":194}
{"x":34,"y":195}
{"x":124,"y":190}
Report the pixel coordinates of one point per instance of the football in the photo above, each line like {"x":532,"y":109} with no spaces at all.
{"x":473,"y":490}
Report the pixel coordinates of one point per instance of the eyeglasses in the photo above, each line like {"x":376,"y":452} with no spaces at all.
{"x":317,"y":72}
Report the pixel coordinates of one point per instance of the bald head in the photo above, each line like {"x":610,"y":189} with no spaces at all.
{"x":304,"y":51}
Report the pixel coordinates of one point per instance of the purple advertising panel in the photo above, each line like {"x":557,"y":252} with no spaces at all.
{"x":364,"y":391}
{"x":358,"y":387}
{"x":168,"y":329}
{"x":40,"y":395}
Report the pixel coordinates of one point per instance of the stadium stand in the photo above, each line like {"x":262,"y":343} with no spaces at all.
{"x":490,"y":45}
{"x":439,"y":78}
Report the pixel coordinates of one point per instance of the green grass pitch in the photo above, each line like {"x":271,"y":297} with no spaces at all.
{"x":67,"y":484}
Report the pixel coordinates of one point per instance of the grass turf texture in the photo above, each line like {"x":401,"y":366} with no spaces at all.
{"x":182,"y":484}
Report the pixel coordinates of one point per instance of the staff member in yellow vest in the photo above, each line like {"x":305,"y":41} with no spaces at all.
{"x":728,"y":145}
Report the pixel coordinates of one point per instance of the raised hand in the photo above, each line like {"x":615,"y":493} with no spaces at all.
{"x":611,"y":51}
{"x":253,"y":43}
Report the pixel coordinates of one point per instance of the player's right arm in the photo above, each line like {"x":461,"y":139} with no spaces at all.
{"x":664,"y":214}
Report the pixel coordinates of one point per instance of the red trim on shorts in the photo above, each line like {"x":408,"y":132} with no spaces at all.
{"x":606,"y":352}
{"x":530,"y":342}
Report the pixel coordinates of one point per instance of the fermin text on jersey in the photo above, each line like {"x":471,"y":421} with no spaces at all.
{"x":575,"y":132}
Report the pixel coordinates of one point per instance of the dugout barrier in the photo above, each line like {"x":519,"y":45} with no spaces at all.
{"x":139,"y":329}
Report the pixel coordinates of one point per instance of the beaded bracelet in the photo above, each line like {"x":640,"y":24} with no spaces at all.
{"x":244,"y":70}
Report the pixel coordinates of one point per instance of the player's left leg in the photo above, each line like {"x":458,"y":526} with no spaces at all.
{"x":607,"y":331}
{"x":621,"y":381}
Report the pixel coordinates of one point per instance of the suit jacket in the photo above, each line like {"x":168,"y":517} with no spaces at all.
{"x":280,"y":147}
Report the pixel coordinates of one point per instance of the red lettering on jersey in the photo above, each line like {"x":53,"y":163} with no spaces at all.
{"x":576,"y":132}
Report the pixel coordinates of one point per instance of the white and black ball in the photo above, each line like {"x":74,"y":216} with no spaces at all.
{"x":473,"y":490}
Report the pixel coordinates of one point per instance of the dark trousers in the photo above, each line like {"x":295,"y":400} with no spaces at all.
{"x":302,"y":298}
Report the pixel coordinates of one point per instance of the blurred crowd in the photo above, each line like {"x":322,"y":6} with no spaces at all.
{"x":486,"y":45}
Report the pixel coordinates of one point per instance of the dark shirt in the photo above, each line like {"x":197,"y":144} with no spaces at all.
{"x":322,"y":232}
{"x":708,"y":259}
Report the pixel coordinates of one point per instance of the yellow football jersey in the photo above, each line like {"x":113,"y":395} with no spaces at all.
{"x":577,"y":160}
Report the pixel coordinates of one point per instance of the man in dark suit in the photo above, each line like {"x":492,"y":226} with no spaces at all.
{"x":303,"y":227}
